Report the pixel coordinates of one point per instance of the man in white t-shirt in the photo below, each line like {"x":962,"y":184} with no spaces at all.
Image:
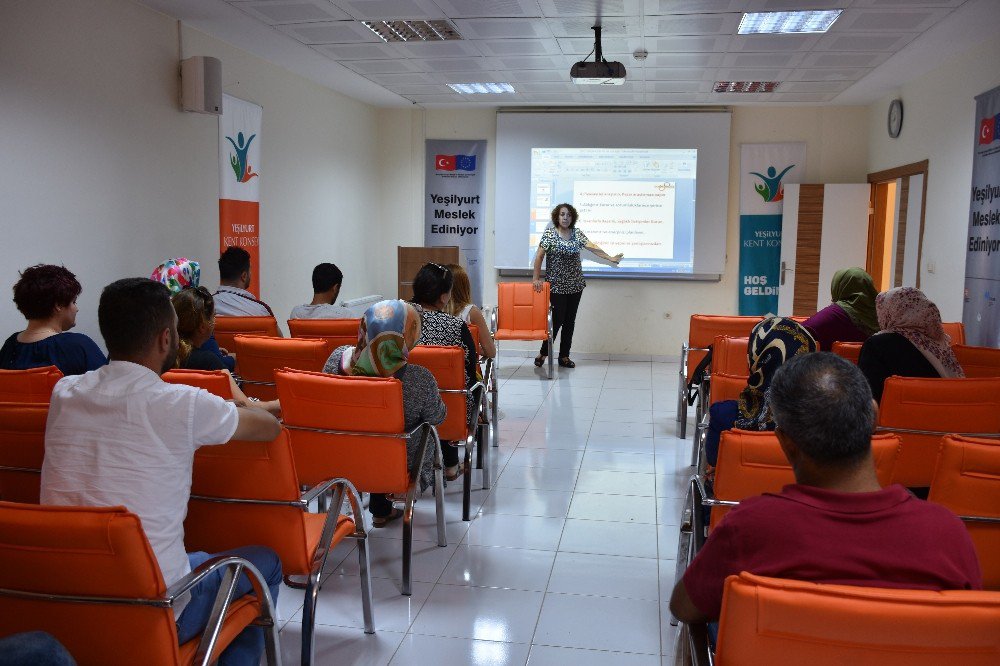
{"x":232,"y":298}
{"x":120,"y":435}
{"x":326,"y":281}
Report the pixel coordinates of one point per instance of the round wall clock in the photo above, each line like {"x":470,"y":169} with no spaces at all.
{"x":895,"y":118}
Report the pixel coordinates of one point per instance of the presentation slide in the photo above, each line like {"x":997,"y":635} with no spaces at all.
{"x":639,"y":202}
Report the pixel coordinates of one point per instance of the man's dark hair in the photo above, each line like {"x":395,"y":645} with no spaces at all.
{"x":234,"y":262}
{"x":326,"y":277}
{"x":132,"y":313}
{"x":824,"y":404}
{"x":431,"y":281}
{"x":42,"y":287}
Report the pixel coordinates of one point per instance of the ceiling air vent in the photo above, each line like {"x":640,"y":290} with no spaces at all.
{"x":413,"y":31}
{"x":745,"y":86}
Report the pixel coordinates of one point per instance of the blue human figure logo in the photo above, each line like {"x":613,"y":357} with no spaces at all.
{"x":770,"y":189}
{"x":239,"y":161}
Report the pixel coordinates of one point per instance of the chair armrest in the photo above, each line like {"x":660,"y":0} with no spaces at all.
{"x":493,"y":321}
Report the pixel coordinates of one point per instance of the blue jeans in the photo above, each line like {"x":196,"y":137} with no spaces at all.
{"x":247,"y":648}
{"x":33,"y":648}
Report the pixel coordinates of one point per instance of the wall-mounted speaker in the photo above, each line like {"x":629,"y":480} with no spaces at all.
{"x":201,"y":85}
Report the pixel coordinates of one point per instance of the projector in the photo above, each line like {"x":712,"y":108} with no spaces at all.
{"x":598,"y":73}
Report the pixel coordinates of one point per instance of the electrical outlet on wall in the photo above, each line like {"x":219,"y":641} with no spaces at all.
{"x":931,"y":266}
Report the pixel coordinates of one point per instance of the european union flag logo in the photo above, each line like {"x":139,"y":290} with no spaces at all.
{"x":465,"y":162}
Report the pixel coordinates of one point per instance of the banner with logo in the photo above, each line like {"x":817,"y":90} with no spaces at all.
{"x":239,"y":181}
{"x":454,"y":190}
{"x":764,"y":170}
{"x":981,"y":313}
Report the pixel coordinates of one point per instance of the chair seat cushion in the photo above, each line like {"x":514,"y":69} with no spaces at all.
{"x":520,"y":334}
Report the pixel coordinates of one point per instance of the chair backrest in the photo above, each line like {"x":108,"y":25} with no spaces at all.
{"x":772,"y":621}
{"x":94,"y":552}
{"x":956,"y":331}
{"x":447,"y":364}
{"x":336,"y":332}
{"x":703,"y":329}
{"x":249,"y":471}
{"x":848,"y":350}
{"x":940,"y":406}
{"x":260,"y":356}
{"x":522,"y":313}
{"x":22,"y":448}
{"x":474,"y":330}
{"x":33,"y":385}
{"x":978,"y":361}
{"x":967,"y":481}
{"x":726,"y":387}
{"x":226,"y":328}
{"x":374,"y":458}
{"x":729,"y":355}
{"x":752,"y":463}
{"x":215,"y":382}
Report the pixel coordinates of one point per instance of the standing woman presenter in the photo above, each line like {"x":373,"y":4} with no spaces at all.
{"x":562,"y":243}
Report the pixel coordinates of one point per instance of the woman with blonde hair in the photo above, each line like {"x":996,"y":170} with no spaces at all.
{"x":461,"y":306}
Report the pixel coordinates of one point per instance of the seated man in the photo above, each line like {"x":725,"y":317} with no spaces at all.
{"x":120,"y":435}
{"x":232,"y":298}
{"x":835,"y":524}
{"x":326,"y":280}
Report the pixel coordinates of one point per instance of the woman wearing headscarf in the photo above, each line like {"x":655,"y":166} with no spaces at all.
{"x":183,"y":273}
{"x":772,"y":342}
{"x":912,"y":342}
{"x":851,"y":315}
{"x":389,"y":329}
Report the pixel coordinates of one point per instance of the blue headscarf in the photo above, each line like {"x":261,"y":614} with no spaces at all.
{"x":381,"y":350}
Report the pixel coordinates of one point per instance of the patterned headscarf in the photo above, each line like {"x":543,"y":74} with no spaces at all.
{"x":907,"y":311}
{"x":381,"y":351}
{"x":854,"y":291}
{"x":178,"y":274}
{"x":772,"y":342}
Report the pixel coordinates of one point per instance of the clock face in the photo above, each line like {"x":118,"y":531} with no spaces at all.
{"x":895,"y":119}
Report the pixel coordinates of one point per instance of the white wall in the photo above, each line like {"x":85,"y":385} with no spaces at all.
{"x":101,"y":172}
{"x":939,"y":125}
{"x":619,"y":316}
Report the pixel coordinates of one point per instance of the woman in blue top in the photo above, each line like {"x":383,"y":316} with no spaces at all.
{"x":562,"y":243}
{"x":46,"y":296}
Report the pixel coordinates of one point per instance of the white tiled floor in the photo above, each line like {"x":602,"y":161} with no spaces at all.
{"x":569,"y":559}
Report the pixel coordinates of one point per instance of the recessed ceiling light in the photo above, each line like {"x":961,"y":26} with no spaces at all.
{"x":474,"y":88}
{"x":745,"y":86}
{"x":754,"y":23}
{"x":413,"y":31}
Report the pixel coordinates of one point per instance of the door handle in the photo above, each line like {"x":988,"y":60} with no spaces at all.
{"x":785,"y":269}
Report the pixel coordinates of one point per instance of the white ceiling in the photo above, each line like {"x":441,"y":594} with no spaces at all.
{"x":872,"y":48}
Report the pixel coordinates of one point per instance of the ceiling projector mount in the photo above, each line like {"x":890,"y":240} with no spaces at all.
{"x":600,"y":72}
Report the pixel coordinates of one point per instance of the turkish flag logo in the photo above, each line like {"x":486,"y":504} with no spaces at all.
{"x":444,"y":162}
{"x":986,"y":129}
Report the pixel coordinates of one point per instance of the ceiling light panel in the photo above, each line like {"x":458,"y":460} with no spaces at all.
{"x":329,"y":32}
{"x":758,"y":23}
{"x":277,"y":12}
{"x":744,"y":87}
{"x":482,"y":88}
{"x":413,"y":31}
{"x":590,"y":7}
{"x":503,"y":28}
{"x":367,"y":10}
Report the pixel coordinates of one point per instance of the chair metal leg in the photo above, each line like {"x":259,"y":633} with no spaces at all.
{"x":551,"y":355}
{"x":495,"y":414}
{"x":407,"y":542}
{"x":681,"y":380}
{"x":467,"y":477}
{"x":309,"y":618}
{"x":439,"y":497}
{"x":484,"y":449}
{"x":366,"y":584}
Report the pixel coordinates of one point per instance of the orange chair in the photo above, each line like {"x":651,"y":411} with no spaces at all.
{"x":772,"y":621}
{"x":215,"y":382}
{"x":978,"y":361}
{"x":447,"y":364}
{"x":717,"y":387}
{"x":89,"y":577}
{"x":260,"y":356}
{"x":729,"y":355}
{"x":226,"y":328}
{"x":956,"y":331}
{"x":490,"y":386}
{"x":523,"y":314}
{"x":921,"y":411}
{"x":22,"y":448}
{"x":34,"y":385}
{"x":352,"y":428}
{"x":702,"y":332}
{"x":248,"y":492}
{"x":967,"y":481}
{"x":336,"y":332}
{"x":848,"y":350}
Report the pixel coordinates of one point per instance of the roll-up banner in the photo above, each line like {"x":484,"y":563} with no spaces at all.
{"x":454,"y":190}
{"x":764,"y":170}
{"x":981,"y":313}
{"x":239,"y":181}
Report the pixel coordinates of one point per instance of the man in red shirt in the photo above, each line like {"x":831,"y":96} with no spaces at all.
{"x":835,"y":524}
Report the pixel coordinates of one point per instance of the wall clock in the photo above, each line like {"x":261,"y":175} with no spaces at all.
{"x":895,"y":118}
